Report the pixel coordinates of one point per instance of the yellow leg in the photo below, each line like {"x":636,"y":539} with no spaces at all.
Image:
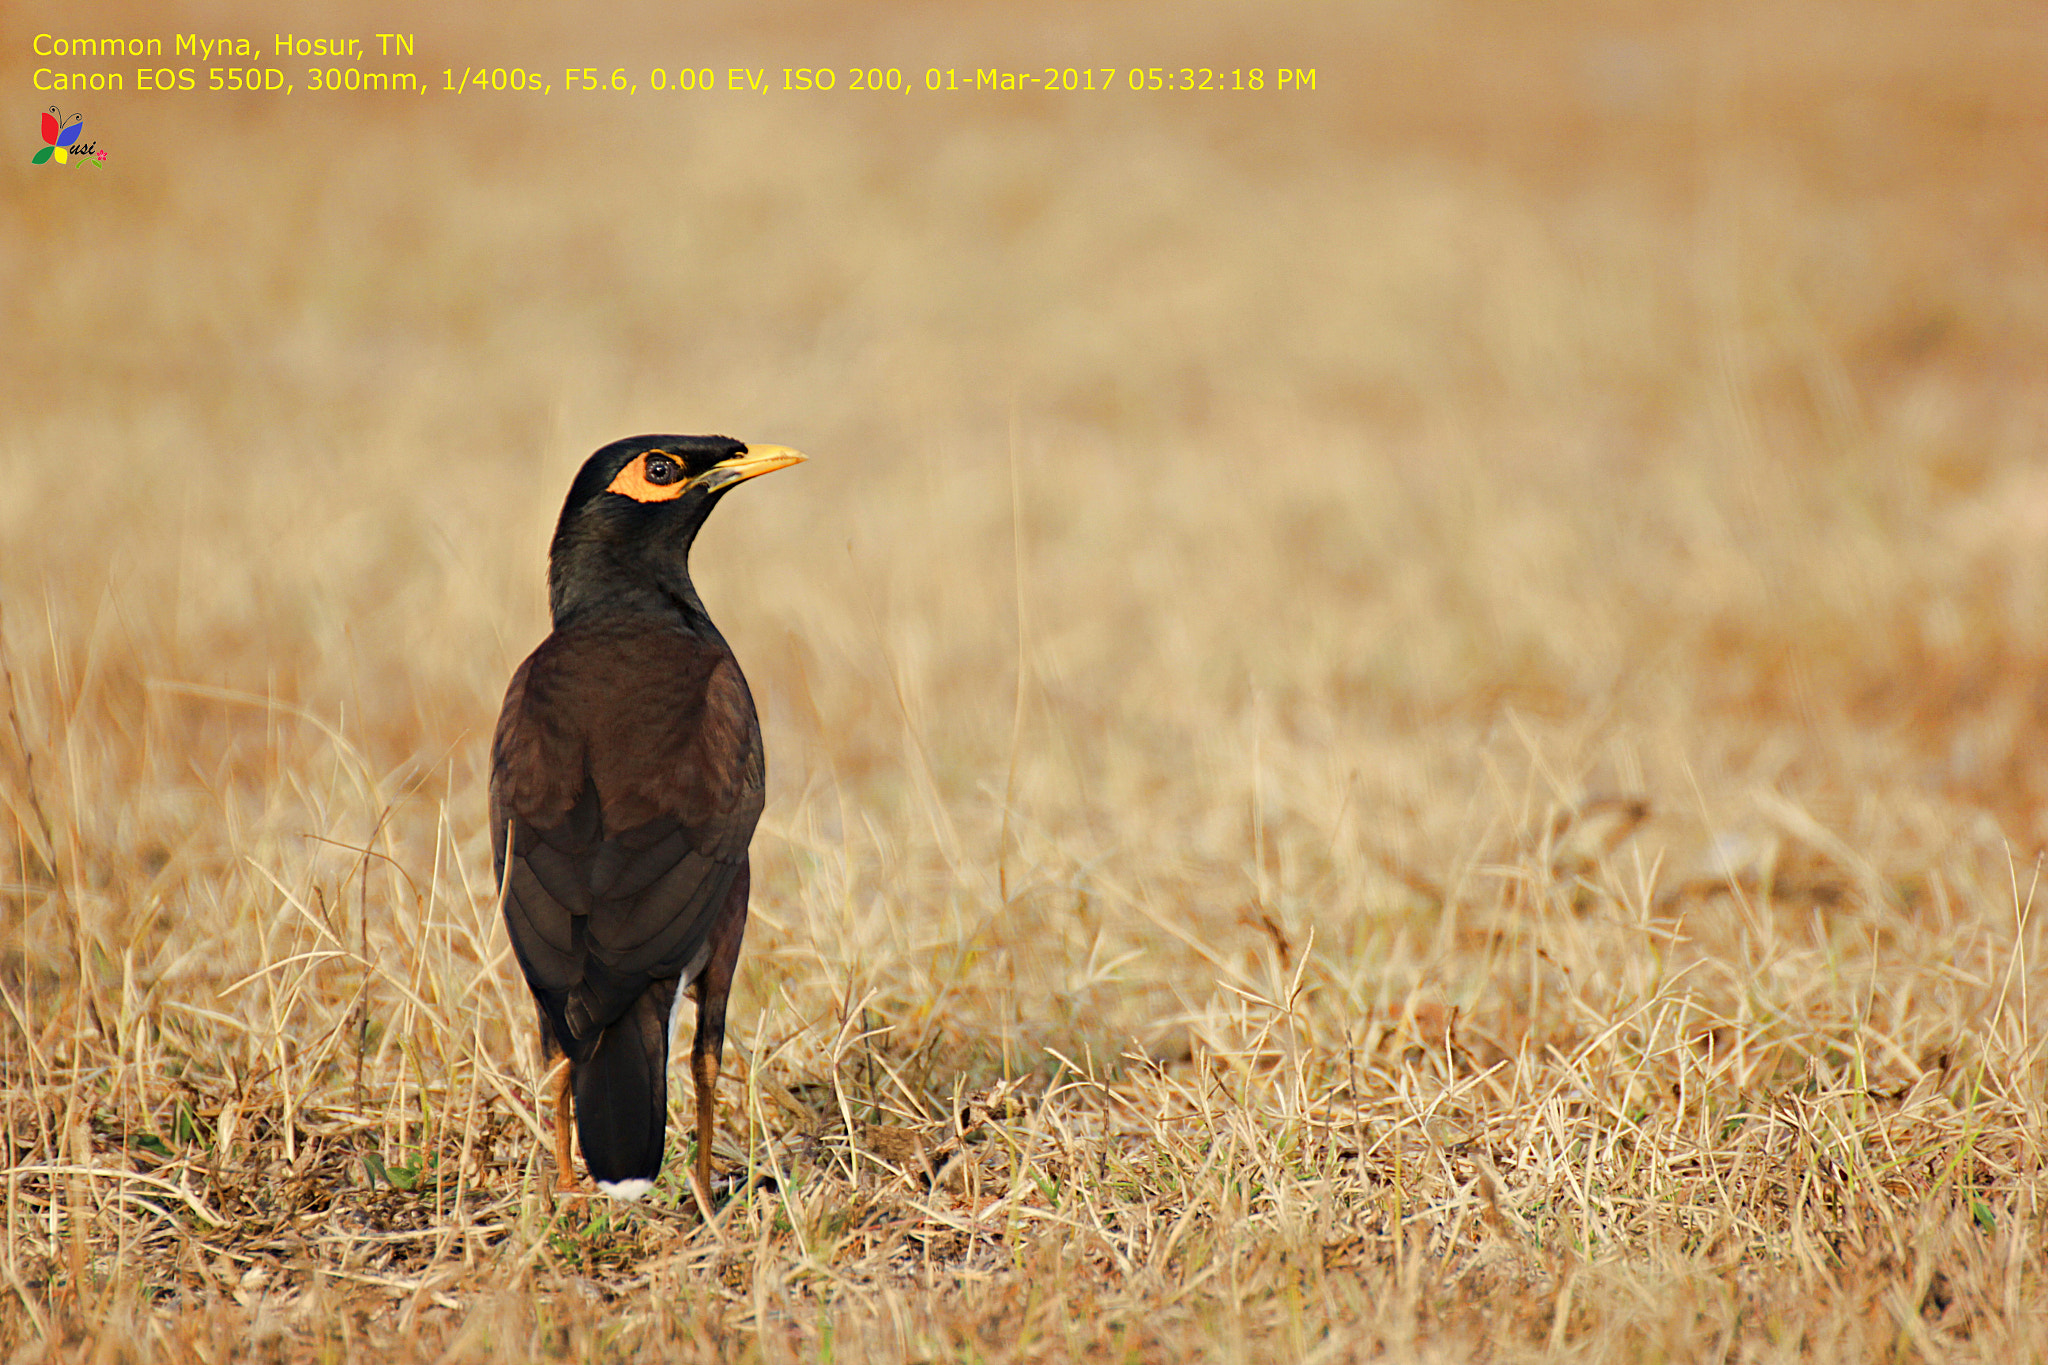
{"x":565,"y":1163}
{"x":704,"y":1067}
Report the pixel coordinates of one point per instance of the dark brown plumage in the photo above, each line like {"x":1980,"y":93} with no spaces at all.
{"x":626,"y":778}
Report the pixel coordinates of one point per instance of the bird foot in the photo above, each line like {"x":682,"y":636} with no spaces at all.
{"x":707,"y":1201}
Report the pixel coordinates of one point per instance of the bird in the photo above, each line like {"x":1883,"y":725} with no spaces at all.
{"x":627,"y":776}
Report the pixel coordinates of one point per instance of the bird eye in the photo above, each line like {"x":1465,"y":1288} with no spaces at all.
{"x":662,"y":470}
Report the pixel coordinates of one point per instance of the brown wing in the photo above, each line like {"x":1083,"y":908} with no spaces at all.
{"x":626,"y":780}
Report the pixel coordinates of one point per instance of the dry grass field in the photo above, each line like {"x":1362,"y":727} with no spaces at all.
{"x":1403,"y":720}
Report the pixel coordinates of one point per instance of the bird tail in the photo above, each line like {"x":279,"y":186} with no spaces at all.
{"x":622,"y":1096}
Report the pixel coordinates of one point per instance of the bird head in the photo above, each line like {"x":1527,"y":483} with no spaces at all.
{"x":634,"y":511}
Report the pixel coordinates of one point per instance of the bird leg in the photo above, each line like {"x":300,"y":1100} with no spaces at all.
{"x":704,"y":1067}
{"x":711,"y":987}
{"x":565,"y":1163}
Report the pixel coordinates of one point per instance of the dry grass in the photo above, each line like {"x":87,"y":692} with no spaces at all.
{"x":1401,"y":721}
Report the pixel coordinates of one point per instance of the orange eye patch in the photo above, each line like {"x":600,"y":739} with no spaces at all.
{"x":664,"y":483}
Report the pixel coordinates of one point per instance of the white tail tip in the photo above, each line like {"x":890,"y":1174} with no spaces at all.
{"x":627,"y":1190}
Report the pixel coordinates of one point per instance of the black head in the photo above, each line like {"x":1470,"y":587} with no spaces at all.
{"x":633,"y":512}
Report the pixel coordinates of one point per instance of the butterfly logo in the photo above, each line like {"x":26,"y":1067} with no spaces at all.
{"x":61,"y":133}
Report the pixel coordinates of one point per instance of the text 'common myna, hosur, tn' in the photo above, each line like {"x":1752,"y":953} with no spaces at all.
{"x":626,"y":778}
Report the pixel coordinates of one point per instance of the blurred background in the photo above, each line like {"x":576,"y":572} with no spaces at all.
{"x":1234,"y":520}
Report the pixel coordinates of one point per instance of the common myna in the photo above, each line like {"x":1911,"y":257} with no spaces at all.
{"x":626,"y":777}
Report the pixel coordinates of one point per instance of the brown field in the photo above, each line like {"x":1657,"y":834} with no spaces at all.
{"x":1403,"y":719}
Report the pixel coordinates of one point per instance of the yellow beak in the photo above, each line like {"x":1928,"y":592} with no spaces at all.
{"x":757,"y":460}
